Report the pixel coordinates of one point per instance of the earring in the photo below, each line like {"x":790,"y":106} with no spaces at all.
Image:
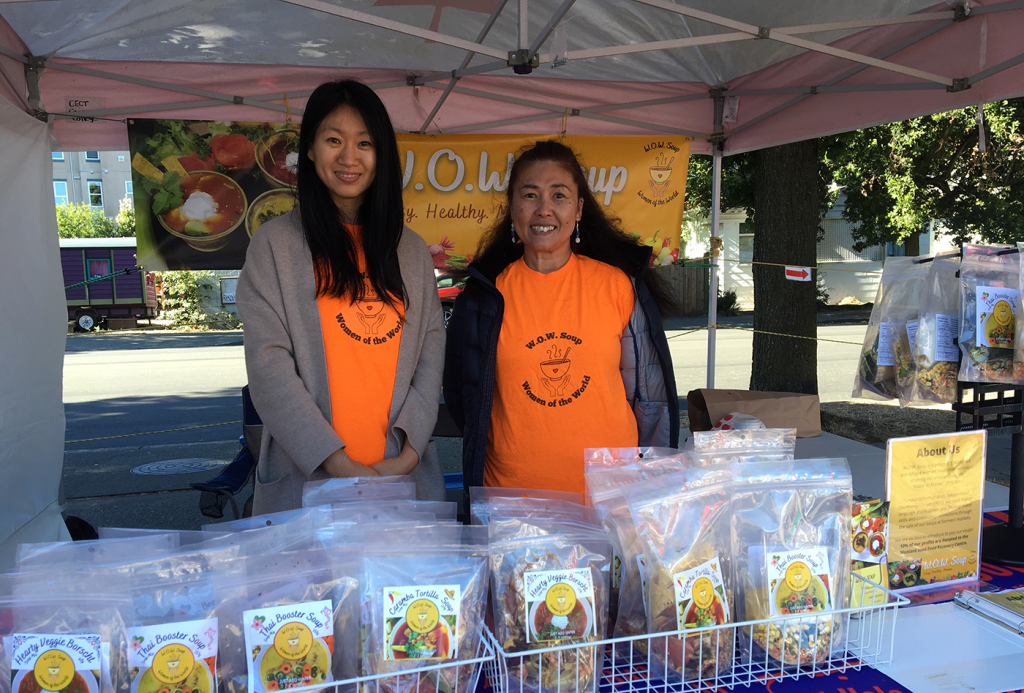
{"x":577,"y":231}
{"x":514,"y":237}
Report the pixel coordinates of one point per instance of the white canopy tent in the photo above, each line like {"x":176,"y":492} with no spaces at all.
{"x":735,"y":75}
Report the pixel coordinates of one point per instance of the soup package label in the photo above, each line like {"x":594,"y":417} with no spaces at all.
{"x":174,"y":656}
{"x":56,"y":662}
{"x":421,"y":622}
{"x":997,"y":312}
{"x":798,"y":581}
{"x":886,"y":336}
{"x":641,"y":566}
{"x":290,"y":646}
{"x":559,"y":604}
{"x":700,"y":596}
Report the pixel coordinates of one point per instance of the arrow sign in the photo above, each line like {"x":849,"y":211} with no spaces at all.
{"x":798,"y":274}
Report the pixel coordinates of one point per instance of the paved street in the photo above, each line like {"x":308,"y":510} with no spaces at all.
{"x":130,"y":384}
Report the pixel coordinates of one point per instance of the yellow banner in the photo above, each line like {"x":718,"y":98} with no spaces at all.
{"x":454,"y":187}
{"x":935,"y":485}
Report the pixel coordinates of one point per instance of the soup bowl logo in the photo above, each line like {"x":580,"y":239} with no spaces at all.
{"x":173,"y":663}
{"x":703,"y":593}
{"x":371,"y":314}
{"x":422,"y":616}
{"x":560,"y":599}
{"x":798,"y":576}
{"x":660,"y":174}
{"x":555,"y":371}
{"x":1000,"y":324}
{"x":54,"y":670}
{"x":293,"y":640}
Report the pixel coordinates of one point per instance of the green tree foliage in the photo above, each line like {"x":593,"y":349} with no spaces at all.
{"x":82,"y":221}
{"x":900,"y":177}
{"x":125,"y":218}
{"x":183,"y":301}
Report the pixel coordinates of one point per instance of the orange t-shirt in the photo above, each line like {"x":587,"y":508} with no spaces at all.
{"x":361,"y":343}
{"x":557,"y":386}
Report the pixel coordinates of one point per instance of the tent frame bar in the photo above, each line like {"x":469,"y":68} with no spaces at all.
{"x":783,"y":37}
{"x":381,"y":22}
{"x":465,"y":63}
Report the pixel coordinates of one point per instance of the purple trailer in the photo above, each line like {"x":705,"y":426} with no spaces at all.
{"x":125,"y":296}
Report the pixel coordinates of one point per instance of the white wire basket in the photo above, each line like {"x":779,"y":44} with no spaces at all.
{"x":724,"y":656}
{"x":460,"y":676}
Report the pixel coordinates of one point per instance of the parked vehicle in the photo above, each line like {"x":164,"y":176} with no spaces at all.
{"x":449,"y":286}
{"x":102,"y":280}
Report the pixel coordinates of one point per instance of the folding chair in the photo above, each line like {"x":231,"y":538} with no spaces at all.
{"x":220,"y":491}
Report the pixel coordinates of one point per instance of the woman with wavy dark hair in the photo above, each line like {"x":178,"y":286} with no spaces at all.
{"x":344,"y":336}
{"x":556,"y":343}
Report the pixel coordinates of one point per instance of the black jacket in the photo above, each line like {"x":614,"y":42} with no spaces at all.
{"x":472,"y":350}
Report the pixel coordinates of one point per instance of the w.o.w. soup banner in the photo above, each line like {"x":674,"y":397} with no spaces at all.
{"x":202,"y":189}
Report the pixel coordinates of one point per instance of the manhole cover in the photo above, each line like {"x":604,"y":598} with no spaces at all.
{"x":189,"y":465}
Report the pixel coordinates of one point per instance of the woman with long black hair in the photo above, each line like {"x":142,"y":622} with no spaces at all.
{"x":556,"y":343}
{"x":344,"y":335}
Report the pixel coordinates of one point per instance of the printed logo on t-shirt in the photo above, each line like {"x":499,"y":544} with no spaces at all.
{"x":556,"y":382}
{"x":369,"y":319}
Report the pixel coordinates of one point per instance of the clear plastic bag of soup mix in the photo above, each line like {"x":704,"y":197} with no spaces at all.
{"x":791,"y":547}
{"x":548,"y":591}
{"x":424,"y":593}
{"x":712,"y":448}
{"x":604,"y":487}
{"x":174,"y":639}
{"x":685,"y":536}
{"x":933,"y":343}
{"x":331,"y":491}
{"x":989,"y":296}
{"x":95,"y":552}
{"x":61,"y":636}
{"x":595,"y":458}
{"x":289,"y":620}
{"x":897,"y":299}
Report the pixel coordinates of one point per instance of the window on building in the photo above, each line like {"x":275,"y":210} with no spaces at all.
{"x":57,"y":156}
{"x":92,"y":156}
{"x":746,"y":242}
{"x":60,"y":192}
{"x":98,"y":268}
{"x":95,"y":193}
{"x":128,"y":188}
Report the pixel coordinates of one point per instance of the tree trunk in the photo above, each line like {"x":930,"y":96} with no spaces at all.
{"x":785,"y":232}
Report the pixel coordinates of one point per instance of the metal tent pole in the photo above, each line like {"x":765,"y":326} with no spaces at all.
{"x":717,"y":145}
{"x":716,"y":208}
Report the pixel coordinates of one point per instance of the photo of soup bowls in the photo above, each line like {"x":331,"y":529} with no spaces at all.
{"x":860,"y":542}
{"x":405,"y":643}
{"x":277,"y":673}
{"x":581,"y":618}
{"x":25,"y":682}
{"x":213,"y":205}
{"x":876,"y":545}
{"x":199,"y":681}
{"x":267,"y":206}
{"x":905,"y":573}
{"x":277,"y":155}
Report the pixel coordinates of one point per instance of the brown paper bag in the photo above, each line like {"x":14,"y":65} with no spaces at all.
{"x":776,"y":409}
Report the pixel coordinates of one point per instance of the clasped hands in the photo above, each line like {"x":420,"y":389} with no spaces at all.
{"x":339,"y":464}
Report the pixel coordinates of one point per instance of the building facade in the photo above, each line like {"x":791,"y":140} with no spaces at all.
{"x":99,"y":179}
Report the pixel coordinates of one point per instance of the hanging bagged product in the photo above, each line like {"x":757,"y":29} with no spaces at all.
{"x":486,"y":508}
{"x":897,"y":300}
{"x":594,"y":458}
{"x":549,"y":590}
{"x":791,"y":547}
{"x":685,"y":534}
{"x":424,"y":593}
{"x":95,"y":551}
{"x":935,"y":356}
{"x":289,"y":620}
{"x":989,"y":296}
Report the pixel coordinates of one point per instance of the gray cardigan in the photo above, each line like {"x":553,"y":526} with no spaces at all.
{"x":287,"y":368}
